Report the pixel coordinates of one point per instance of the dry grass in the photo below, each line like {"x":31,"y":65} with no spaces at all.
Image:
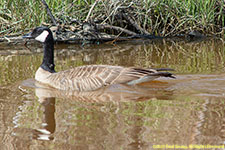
{"x":159,"y":17}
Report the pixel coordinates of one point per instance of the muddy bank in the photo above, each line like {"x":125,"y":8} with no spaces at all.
{"x":92,"y":34}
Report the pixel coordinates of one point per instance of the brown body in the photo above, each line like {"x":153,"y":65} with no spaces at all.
{"x":93,"y":77}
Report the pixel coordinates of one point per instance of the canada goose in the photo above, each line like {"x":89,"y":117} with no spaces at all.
{"x":86,"y":78}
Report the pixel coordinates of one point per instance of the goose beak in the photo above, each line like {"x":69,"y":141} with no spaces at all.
{"x":28,"y":36}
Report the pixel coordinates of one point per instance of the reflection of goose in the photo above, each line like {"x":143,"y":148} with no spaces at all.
{"x":113,"y":93}
{"x":86,"y":78}
{"x":48,"y":125}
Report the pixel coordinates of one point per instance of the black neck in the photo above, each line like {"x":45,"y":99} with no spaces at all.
{"x":48,"y":59}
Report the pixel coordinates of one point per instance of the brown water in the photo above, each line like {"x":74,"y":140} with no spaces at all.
{"x":188,"y":111}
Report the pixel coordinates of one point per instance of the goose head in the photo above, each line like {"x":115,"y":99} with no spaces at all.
{"x":41,"y":34}
{"x":44,"y":35}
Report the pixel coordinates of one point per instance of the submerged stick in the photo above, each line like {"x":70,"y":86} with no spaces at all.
{"x":49,"y":12}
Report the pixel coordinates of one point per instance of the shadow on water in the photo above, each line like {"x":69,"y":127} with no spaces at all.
{"x":186,"y":111}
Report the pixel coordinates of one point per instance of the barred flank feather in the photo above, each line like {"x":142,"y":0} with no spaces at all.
{"x":93,"y":77}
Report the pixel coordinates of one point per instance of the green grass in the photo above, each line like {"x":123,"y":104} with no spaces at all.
{"x":160,"y":17}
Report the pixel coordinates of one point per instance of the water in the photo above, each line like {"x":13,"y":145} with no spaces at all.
{"x":167,"y":113}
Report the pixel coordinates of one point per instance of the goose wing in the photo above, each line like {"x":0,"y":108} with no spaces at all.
{"x":92,"y":77}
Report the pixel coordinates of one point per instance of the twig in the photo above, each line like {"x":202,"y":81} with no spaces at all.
{"x":104,"y":26}
{"x":116,"y":37}
{"x":89,"y":13}
{"x":133,"y":23}
{"x":49,"y":12}
{"x":25,"y":44}
{"x":7,"y":39}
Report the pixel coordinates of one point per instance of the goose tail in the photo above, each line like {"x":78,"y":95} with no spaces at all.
{"x":151,"y":77}
{"x":163,"y":74}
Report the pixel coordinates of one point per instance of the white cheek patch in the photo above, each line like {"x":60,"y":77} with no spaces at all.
{"x":42,"y":37}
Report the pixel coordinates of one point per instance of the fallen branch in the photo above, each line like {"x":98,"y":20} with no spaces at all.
{"x":95,"y":40}
{"x":49,"y":12}
{"x":133,"y":23}
{"x":89,"y":13}
{"x":107,"y":26}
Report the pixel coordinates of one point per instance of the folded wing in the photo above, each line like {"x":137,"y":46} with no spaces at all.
{"x":92,"y":77}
